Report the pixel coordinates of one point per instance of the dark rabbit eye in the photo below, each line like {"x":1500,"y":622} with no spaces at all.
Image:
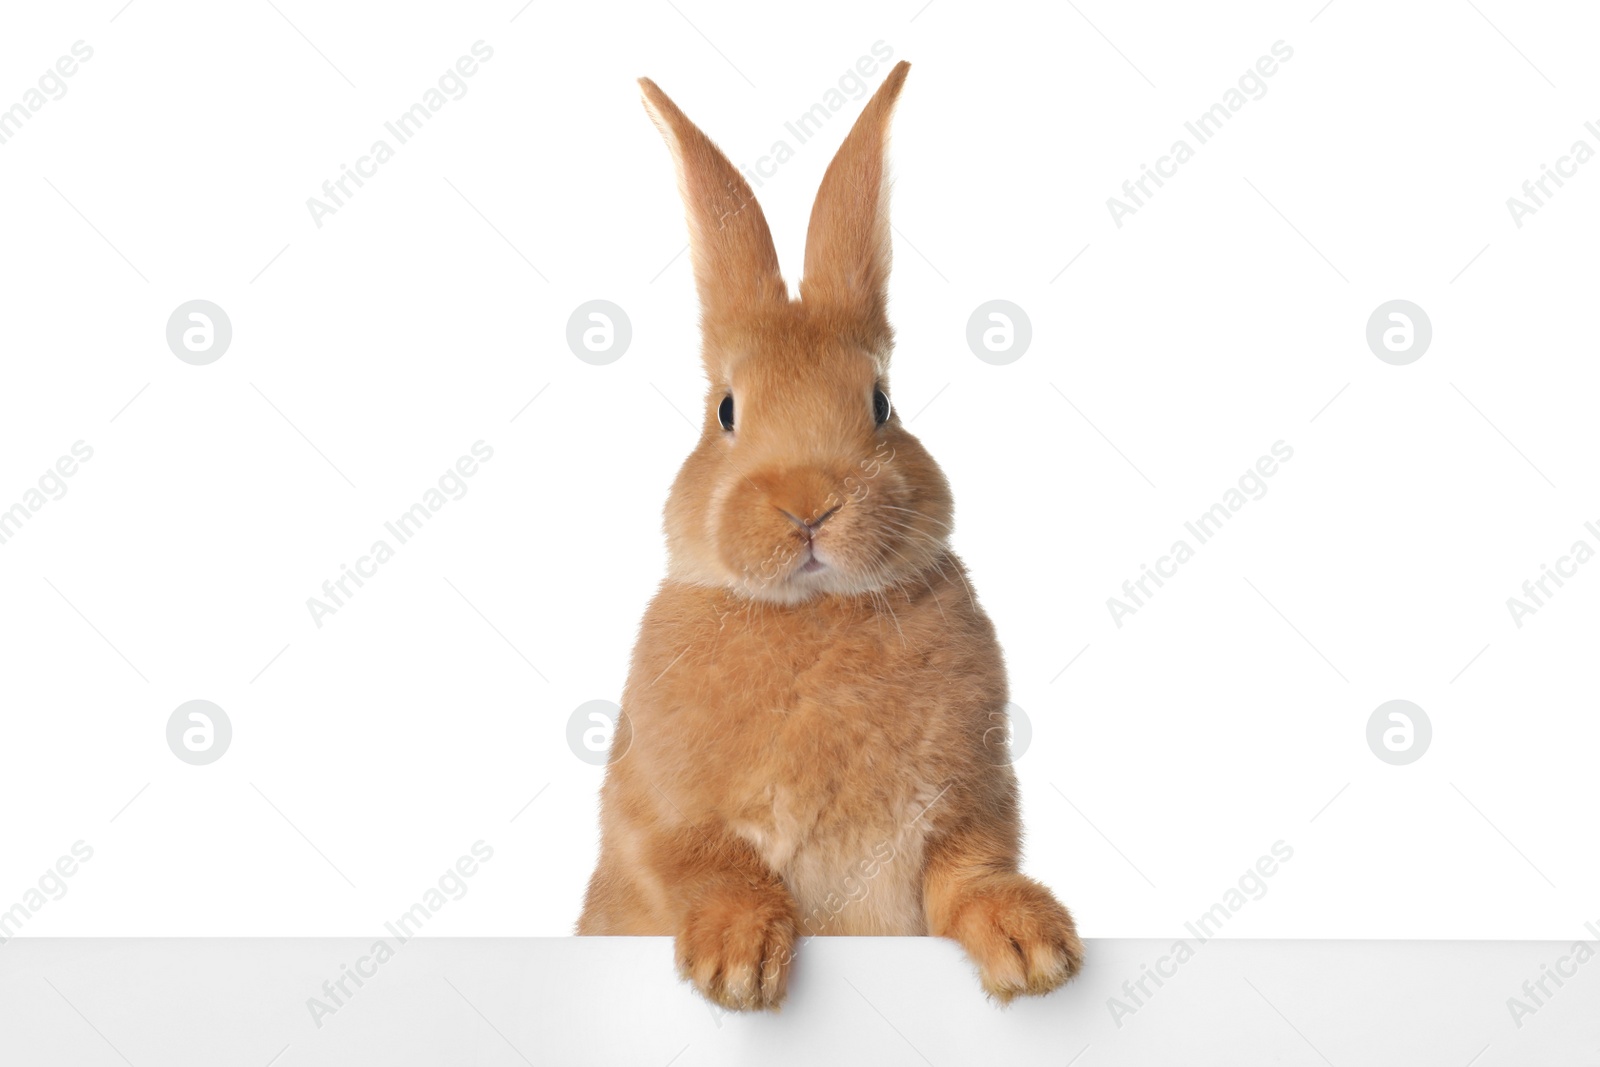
{"x":880,"y":406}
{"x":725,"y":413}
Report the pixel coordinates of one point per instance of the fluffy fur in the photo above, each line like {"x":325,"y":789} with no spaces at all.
{"x":813,"y":729}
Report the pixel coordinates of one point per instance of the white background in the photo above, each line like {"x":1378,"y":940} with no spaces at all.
{"x":368,"y":354}
{"x":498,"y":1002}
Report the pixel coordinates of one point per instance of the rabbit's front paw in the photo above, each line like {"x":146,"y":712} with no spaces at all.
{"x":1023,"y":941}
{"x":737,"y":949}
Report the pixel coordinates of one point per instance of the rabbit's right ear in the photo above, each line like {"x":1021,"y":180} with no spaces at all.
{"x":735,"y":264}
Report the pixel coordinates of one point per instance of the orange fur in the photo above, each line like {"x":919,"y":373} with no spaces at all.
{"x":808,"y":742}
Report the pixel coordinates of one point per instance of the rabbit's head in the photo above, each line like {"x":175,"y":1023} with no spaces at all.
{"x":804,"y":482}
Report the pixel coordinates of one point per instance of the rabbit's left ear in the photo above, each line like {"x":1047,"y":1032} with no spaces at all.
{"x":848,"y":245}
{"x":735,"y":265}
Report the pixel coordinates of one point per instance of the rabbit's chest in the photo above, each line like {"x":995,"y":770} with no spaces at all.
{"x":842,"y":754}
{"x":825,"y":738}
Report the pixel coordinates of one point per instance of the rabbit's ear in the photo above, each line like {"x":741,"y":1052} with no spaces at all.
{"x":735,"y":265}
{"x":847,"y":246}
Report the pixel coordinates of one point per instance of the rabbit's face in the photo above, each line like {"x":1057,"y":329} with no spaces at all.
{"x":804,"y":482}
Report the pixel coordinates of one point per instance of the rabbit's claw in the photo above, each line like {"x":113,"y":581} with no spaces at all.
{"x":1023,"y":941}
{"x":737,"y":951}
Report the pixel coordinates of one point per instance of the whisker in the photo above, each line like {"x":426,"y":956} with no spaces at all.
{"x":919,"y":514}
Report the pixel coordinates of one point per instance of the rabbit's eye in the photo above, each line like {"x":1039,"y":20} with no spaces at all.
{"x":880,"y":406}
{"x":725,"y":413}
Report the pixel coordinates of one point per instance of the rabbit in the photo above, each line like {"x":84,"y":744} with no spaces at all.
{"x":812,"y":735}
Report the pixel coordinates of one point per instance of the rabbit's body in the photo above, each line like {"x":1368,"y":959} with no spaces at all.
{"x":813,"y":729}
{"x":833,"y":737}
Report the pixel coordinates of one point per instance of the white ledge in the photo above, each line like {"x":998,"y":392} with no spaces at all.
{"x":493,"y":1001}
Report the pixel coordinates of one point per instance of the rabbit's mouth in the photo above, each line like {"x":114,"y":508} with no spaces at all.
{"x":812,"y":562}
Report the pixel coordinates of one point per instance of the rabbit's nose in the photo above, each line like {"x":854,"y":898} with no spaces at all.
{"x":814,"y":525}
